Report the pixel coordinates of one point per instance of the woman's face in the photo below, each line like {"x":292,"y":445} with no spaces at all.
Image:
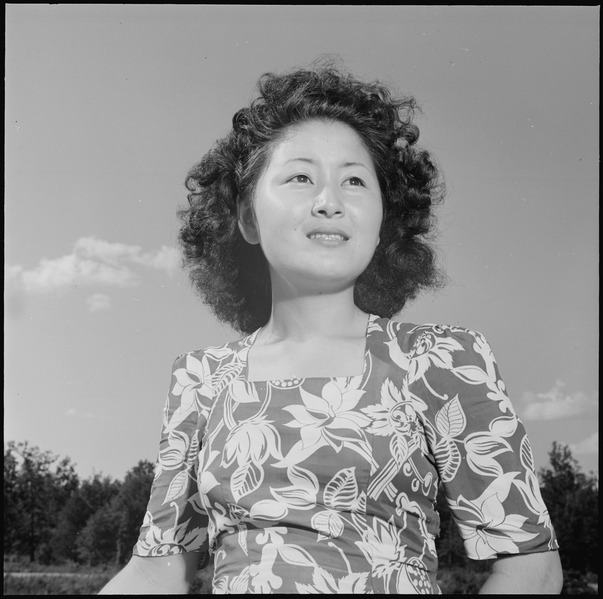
{"x":317,"y":209}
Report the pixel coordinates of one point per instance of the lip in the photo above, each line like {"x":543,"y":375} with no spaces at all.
{"x":329,"y":231}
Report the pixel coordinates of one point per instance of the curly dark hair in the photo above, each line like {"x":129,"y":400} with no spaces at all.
{"x":231,"y":275}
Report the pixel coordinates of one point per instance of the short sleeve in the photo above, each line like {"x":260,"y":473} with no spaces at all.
{"x":479,"y":445}
{"x":175,"y":521}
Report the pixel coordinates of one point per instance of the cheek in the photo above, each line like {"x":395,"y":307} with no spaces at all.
{"x":373,"y":219}
{"x":276,"y":228}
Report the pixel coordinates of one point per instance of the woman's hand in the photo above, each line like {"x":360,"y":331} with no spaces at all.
{"x":532,"y":573}
{"x":168,"y":575}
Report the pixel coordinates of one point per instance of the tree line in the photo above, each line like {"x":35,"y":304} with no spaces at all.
{"x":52,"y":516}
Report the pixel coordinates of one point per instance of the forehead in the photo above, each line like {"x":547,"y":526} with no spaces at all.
{"x":320,"y":138}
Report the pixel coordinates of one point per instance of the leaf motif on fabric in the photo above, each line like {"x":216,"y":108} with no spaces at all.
{"x":177,"y":487}
{"x":193,"y":538}
{"x":303,"y":490}
{"x":328,"y":523}
{"x":268,"y":509}
{"x":341,"y":492}
{"x":505,"y":426}
{"x":482,"y":347}
{"x":400,"y":449}
{"x":242,"y":538}
{"x":355,"y":583}
{"x":224,"y":375}
{"x":246,"y":479}
{"x":193,"y":450}
{"x":240,"y":583}
{"x":525,"y":454}
{"x":296,"y":556}
{"x":244,"y":392}
{"x":448,"y":458}
{"x":450,"y":420}
{"x":482,"y":448}
{"x":173,"y":455}
{"x":473,"y":375}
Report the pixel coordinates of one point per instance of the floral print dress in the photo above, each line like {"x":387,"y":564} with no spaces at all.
{"x":328,"y":485}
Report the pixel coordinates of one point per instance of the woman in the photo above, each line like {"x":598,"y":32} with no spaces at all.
{"x":306,"y":456}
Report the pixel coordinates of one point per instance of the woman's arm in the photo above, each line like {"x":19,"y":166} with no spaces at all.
{"x":531,"y":573}
{"x":167,"y":575}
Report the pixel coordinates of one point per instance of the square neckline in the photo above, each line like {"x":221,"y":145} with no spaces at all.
{"x":249,"y":341}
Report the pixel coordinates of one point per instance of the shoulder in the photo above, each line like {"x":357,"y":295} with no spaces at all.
{"x":206,"y":360}
{"x":441,"y":344}
{"x":197,"y":374}
{"x":411,"y":336}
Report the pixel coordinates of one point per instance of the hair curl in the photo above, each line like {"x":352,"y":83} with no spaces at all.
{"x":232,"y":276}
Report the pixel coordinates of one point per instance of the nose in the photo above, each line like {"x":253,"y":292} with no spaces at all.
{"x":328,"y":203}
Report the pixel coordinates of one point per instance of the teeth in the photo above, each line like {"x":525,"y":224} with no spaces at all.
{"x":331,"y":236}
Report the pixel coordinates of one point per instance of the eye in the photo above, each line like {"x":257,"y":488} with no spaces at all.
{"x":356,"y":181}
{"x":300,"y":179}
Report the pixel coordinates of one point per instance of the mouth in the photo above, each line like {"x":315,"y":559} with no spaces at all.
{"x":328,"y":236}
{"x":328,"y":233}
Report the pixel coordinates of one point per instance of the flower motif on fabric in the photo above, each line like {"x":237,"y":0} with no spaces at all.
{"x":484,"y":524}
{"x":192,"y":386}
{"x":329,"y":420}
{"x":383,"y":547}
{"x":430,"y":350}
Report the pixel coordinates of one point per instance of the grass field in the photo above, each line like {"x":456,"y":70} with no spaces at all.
{"x":24,"y":578}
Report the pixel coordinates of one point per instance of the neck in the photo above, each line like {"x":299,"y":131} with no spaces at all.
{"x":299,"y":317}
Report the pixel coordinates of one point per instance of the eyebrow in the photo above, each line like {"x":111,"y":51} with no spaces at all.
{"x":310,"y":161}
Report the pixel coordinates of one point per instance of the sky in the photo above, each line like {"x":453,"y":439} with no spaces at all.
{"x":108,"y":106}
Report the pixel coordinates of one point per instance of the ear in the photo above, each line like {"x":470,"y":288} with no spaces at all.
{"x":247,"y":223}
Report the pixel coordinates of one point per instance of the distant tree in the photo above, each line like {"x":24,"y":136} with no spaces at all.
{"x":39,"y":484}
{"x":90,"y":497}
{"x":111,"y":532}
{"x":131,"y":504}
{"x":572,"y":499}
{"x":96,"y":543}
{"x":10,"y":505}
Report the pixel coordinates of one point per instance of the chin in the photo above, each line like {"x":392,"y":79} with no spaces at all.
{"x":333,"y":280}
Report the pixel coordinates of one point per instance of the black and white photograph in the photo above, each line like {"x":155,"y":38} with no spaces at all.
{"x":301,"y":299}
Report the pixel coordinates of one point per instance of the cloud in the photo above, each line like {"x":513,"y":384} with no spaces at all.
{"x":94,"y":262}
{"x":590,"y":445}
{"x":555,"y":404}
{"x":165,"y":258}
{"x":98,"y":302}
